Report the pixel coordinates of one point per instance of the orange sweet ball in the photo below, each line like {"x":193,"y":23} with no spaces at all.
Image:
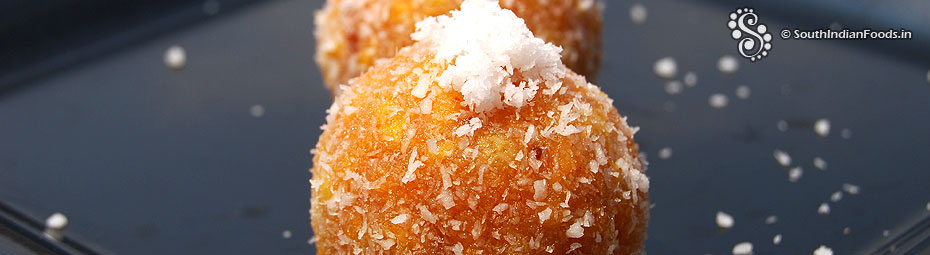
{"x":351,"y":34}
{"x":490,"y":146}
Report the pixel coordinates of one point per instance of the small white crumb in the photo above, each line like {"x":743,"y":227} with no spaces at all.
{"x":823,"y":250}
{"x":544,"y":215}
{"x":928,"y":206}
{"x":777,"y":239}
{"x":457,"y":249}
{"x":772,"y":219}
{"x":851,"y":188}
{"x":539,"y":188}
{"x":573,"y":247}
{"x":400,"y":219}
{"x":575,"y":230}
{"x":56,"y":221}
{"x":431,"y":144}
{"x":742,"y":92}
{"x":928,"y":76}
{"x":795,"y":173}
{"x":822,"y":127}
{"x":673,"y":87}
{"x":427,"y":215}
{"x":847,"y":230}
{"x":500,"y":207}
{"x":666,"y":67}
{"x":836,"y":196}
{"x":718,"y":100}
{"x":469,"y":128}
{"x":257,"y":111}
{"x":724,"y":220}
{"x":886,"y":233}
{"x":823,"y":209}
{"x":846,"y":133}
{"x":638,"y":14}
{"x":819,"y":163}
{"x":727,"y":64}
{"x":175,"y":57}
{"x":782,"y":157}
{"x":412,"y":166}
{"x":286,"y":234}
{"x":665,"y":153}
{"x":690,"y":79}
{"x":744,"y":248}
{"x":782,"y":125}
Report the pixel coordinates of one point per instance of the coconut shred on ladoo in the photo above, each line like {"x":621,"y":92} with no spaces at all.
{"x":477,"y":140}
{"x":352,"y":34}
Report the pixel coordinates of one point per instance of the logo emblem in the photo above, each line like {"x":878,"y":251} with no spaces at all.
{"x":755,"y":41}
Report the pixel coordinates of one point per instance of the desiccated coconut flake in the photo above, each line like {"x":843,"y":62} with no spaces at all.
{"x":742,"y":92}
{"x":411,"y":167}
{"x":469,"y":128}
{"x":666,"y":67}
{"x":175,"y":57}
{"x":777,"y":239}
{"x":539,"y":188}
{"x":431,"y":144}
{"x":724,"y":220}
{"x":718,"y":101}
{"x":744,"y":248}
{"x":690,"y":79}
{"x":638,"y":14}
{"x":836,"y":196}
{"x":544,"y":215}
{"x":673,"y":87}
{"x":823,"y":250}
{"x":400,"y":218}
{"x":823,"y":209}
{"x":928,"y":206}
{"x":772,"y":219}
{"x":485,"y":45}
{"x":846,"y":133}
{"x":819,"y":163}
{"x":665,"y":153}
{"x":795,"y":173}
{"x":572,"y":247}
{"x":782,"y":125}
{"x":727,"y":64}
{"x":286,"y":234}
{"x":56,"y":221}
{"x":822,"y":127}
{"x":575,"y":230}
{"x":850,"y":188}
{"x":427,"y":215}
{"x":782,"y":157}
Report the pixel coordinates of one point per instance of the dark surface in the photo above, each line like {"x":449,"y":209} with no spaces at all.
{"x":145,"y":160}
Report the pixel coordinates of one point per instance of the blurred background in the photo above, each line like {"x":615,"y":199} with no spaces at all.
{"x":213,"y":158}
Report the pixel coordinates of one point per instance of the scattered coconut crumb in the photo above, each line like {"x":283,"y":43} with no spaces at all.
{"x":742,"y":92}
{"x":928,"y":206}
{"x":928,"y":76}
{"x":457,"y":249}
{"x":56,"y":221}
{"x":836,"y":196}
{"x":824,"y":209}
{"x":823,"y":250}
{"x":575,"y":230}
{"x":469,"y":128}
{"x":886,"y":233}
{"x":257,"y":111}
{"x":851,"y":188}
{"x":666,"y":67}
{"x":427,"y":215}
{"x":175,"y":57}
{"x":819,"y":163}
{"x":772,"y":219}
{"x":286,"y":234}
{"x":724,"y":220}
{"x":482,"y":69}
{"x":673,"y":87}
{"x":777,"y":239}
{"x":822,"y":127}
{"x":500,"y":207}
{"x":782,"y":158}
{"x":782,"y":125}
{"x":539,"y":188}
{"x":638,"y":14}
{"x":744,"y":248}
{"x":400,"y":218}
{"x":665,"y":153}
{"x":431,"y":144}
{"x":411,"y":167}
{"x":847,"y":230}
{"x":795,"y":173}
{"x":718,"y":100}
{"x":544,"y":215}
{"x":690,"y":79}
{"x":846,"y":133}
{"x":727,"y":64}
